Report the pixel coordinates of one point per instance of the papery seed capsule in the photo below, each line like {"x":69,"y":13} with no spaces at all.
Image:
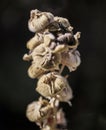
{"x":32,"y":112}
{"x":38,"y":110}
{"x":35,"y":41}
{"x":43,"y":57}
{"x":35,"y":71}
{"x":71,"y":59}
{"x":51,"y":84}
{"x":39,"y":20}
{"x":51,"y":61}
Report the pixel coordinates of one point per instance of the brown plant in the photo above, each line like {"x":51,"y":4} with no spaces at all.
{"x":53,"y":46}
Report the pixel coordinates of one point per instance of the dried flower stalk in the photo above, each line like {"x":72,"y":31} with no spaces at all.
{"x":53,"y":47}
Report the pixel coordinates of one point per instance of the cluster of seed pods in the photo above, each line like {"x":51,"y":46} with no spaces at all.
{"x":53,"y":47}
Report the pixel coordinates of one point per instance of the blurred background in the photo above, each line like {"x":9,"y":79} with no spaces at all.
{"x":17,"y":90}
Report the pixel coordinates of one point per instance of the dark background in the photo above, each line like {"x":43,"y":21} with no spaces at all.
{"x":88,"y":82}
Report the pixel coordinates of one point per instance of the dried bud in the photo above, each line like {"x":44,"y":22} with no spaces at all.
{"x":51,"y":84}
{"x":39,"y":20}
{"x":71,"y":59}
{"x":38,"y":110}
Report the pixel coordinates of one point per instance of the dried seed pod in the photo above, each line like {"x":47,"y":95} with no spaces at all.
{"x":35,"y":71}
{"x":71,"y":59}
{"x":39,"y":20}
{"x":43,"y":57}
{"x":51,"y":84}
{"x":38,"y":110}
{"x":51,"y":61}
{"x":35,"y":41}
